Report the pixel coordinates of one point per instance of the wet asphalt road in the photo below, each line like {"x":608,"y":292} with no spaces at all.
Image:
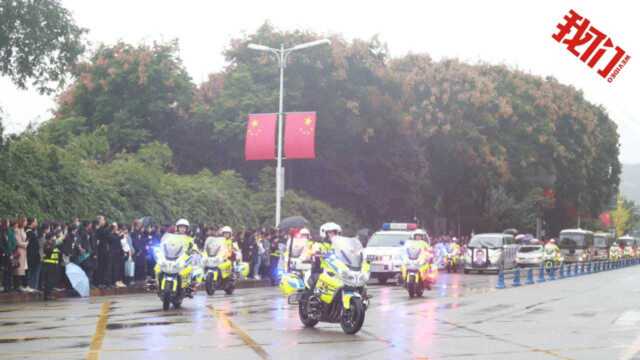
{"x":464,"y":317}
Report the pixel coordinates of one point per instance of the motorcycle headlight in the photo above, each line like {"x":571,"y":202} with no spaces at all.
{"x":169,"y":267}
{"x":354,"y":278}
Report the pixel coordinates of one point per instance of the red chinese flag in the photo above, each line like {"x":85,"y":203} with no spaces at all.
{"x":300,"y":135}
{"x":260,"y":142}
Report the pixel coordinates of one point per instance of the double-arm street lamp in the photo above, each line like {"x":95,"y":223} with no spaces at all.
{"x":282,"y":54}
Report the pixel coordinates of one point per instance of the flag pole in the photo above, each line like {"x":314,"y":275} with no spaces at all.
{"x":280,"y":120}
{"x":282,"y":55}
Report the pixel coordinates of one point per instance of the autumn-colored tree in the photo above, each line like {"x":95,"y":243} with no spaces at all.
{"x":621,"y":217}
{"x":140,"y":94}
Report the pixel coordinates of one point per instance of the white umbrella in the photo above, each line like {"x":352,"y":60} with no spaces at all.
{"x":78,"y":279}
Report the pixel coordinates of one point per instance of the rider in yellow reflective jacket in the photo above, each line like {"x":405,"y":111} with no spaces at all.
{"x":551,"y":248}
{"x":317,"y":249}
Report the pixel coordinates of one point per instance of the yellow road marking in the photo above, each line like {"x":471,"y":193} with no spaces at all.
{"x":101,"y":327}
{"x":243,"y":335}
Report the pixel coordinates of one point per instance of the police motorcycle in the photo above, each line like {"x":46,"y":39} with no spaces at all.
{"x":218,"y":269}
{"x":340,"y":294}
{"x":452,"y":258}
{"x":418,"y":271}
{"x":615,"y":253}
{"x":174,"y":269}
{"x":551,"y":259}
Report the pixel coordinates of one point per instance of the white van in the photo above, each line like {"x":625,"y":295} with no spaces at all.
{"x":490,"y":252}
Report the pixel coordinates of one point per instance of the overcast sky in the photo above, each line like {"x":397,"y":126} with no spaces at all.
{"x":505,"y":32}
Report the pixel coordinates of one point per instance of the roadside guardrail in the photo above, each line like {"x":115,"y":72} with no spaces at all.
{"x":532,"y":275}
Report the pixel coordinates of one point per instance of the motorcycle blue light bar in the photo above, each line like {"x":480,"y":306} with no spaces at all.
{"x":399,"y":226}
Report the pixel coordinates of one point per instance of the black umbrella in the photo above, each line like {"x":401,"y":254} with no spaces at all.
{"x":510,"y":231}
{"x":293,"y":222}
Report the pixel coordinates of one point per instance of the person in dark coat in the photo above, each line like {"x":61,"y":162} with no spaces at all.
{"x":85,"y":251}
{"x":103,"y":238}
{"x":7,"y":247}
{"x":117,"y":256}
{"x":33,"y":255}
{"x":139,"y":238}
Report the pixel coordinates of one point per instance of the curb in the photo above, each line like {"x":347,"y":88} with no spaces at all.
{"x":16,"y":297}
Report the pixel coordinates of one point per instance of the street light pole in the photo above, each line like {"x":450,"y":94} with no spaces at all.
{"x":282,"y":55}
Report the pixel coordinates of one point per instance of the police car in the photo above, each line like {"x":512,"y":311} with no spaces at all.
{"x":384,"y":250}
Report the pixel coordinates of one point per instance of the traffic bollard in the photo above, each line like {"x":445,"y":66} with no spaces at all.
{"x":552,"y":273}
{"x":561,"y":271}
{"x":516,"y":277}
{"x":541,"y":274}
{"x":589,"y":267}
{"x":576,"y":269}
{"x":500,"y":284}
{"x":582,"y":266}
{"x":529,"y":280}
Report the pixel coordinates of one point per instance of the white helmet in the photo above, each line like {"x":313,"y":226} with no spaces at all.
{"x":183,"y":222}
{"x":304,"y":231}
{"x":330,"y":226}
{"x":419,"y":232}
{"x":226,"y":229}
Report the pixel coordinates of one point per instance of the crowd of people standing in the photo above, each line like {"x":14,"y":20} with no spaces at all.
{"x":33,"y":254}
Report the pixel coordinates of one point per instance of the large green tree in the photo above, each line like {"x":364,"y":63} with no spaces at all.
{"x":39,"y":43}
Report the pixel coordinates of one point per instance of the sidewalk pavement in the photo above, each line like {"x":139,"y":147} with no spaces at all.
{"x":19,"y":297}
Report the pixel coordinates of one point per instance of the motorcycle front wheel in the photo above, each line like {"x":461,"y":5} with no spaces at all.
{"x":353,"y":319}
{"x":230,"y":287}
{"x":303,"y":314}
{"x":166,"y":300}
{"x":177,"y":302}
{"x":419,"y":290}
{"x":411,"y":288}
{"x":209,"y":285}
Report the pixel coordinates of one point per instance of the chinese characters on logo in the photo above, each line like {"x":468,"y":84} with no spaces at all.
{"x":591,"y":45}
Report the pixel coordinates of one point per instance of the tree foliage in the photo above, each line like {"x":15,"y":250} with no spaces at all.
{"x":138,"y":94}
{"x":39,"y":43}
{"x":397,"y":138}
{"x":51,"y":182}
{"x":406,"y":137}
{"x":621,"y":217}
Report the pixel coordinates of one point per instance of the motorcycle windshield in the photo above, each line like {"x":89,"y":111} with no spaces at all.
{"x":412,"y":249}
{"x":349,"y":251}
{"x":298,"y":246}
{"x":172,"y":246}
{"x":214,"y":246}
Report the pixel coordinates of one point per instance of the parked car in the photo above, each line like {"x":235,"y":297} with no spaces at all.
{"x":530,"y":255}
